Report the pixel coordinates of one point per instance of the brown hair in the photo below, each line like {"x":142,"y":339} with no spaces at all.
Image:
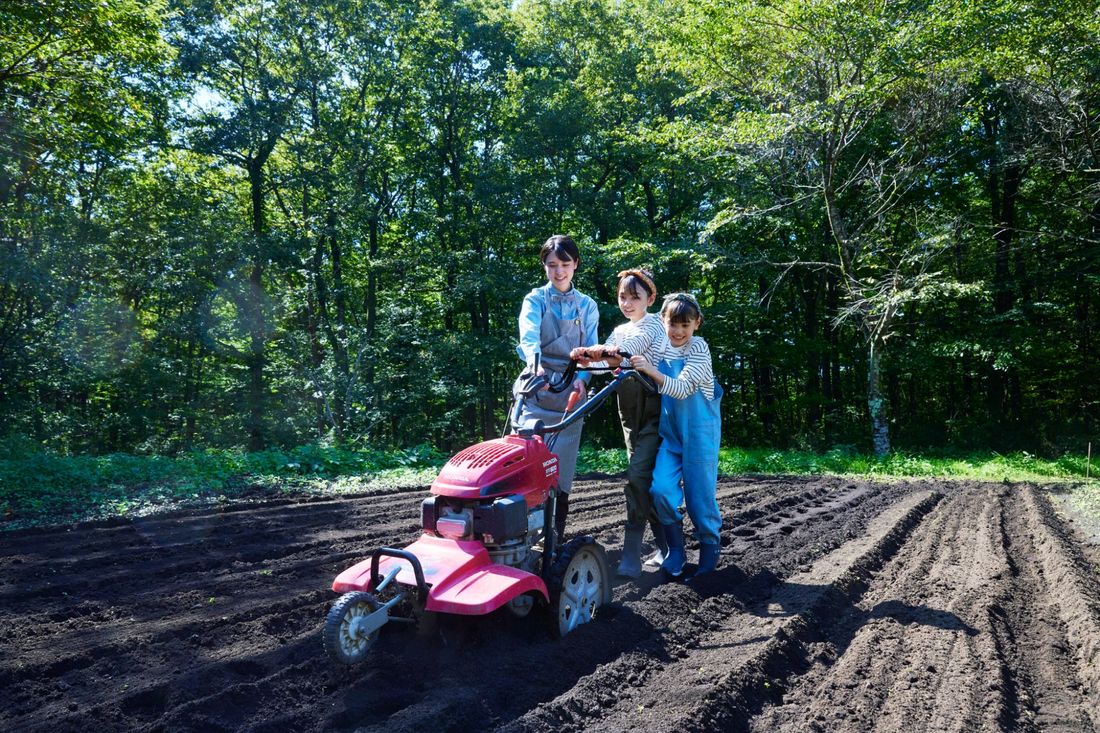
{"x":636,"y":279}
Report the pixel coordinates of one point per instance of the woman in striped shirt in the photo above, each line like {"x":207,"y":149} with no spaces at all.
{"x":686,"y":470}
{"x":639,"y":414}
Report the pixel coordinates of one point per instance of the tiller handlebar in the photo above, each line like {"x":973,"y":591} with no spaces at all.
{"x":542,"y":381}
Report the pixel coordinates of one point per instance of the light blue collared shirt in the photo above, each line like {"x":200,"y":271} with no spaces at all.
{"x":537,"y":302}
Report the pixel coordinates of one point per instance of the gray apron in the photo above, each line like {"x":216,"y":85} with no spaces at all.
{"x":558,"y":337}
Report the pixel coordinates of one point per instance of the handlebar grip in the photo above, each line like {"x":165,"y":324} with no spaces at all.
{"x":574,"y":396}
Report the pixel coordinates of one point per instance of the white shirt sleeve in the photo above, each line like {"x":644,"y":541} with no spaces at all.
{"x":645,"y":339}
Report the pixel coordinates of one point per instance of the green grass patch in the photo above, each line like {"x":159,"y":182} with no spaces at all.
{"x":845,"y":461}
{"x":594,"y":460}
{"x":1085,"y":498}
{"x":43,"y":488}
{"x":40,"y":488}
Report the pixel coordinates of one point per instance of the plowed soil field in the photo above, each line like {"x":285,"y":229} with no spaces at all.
{"x":838,"y":605}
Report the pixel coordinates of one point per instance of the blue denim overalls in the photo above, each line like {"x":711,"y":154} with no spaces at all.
{"x":691,"y":430}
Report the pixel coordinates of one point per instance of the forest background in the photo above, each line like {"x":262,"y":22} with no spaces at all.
{"x":270,"y":223}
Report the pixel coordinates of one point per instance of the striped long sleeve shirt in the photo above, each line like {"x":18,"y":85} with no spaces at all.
{"x":646,"y":337}
{"x":698,"y":371}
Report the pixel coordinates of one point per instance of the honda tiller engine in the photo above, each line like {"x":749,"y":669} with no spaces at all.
{"x":488,"y":540}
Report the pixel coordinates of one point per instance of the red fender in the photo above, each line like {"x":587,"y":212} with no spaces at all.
{"x":462,"y":578}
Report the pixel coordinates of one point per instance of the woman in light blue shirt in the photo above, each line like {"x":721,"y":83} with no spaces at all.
{"x":554,"y":320}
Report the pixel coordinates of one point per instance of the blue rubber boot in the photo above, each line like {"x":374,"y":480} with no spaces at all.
{"x":676,"y":557}
{"x":708,"y":558}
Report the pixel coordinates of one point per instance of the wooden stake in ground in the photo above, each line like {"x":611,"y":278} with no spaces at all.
{"x":1088,"y":464}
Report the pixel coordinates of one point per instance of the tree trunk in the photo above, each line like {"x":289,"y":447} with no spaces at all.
{"x":255,"y":318}
{"x":195,"y":355}
{"x":372,"y":301}
{"x":876,"y":404}
{"x":488,"y":414}
{"x":1003,"y":214}
{"x":1002,"y":187}
{"x":831,"y":366}
{"x":338,"y":334}
{"x":1083,"y":308}
{"x":762,"y":373}
{"x":812,"y":385}
{"x":316,"y":356}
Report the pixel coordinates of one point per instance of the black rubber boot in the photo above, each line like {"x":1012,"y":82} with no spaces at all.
{"x":630,"y":566}
{"x":708,"y":558}
{"x":560,"y":514}
{"x":655,"y":560}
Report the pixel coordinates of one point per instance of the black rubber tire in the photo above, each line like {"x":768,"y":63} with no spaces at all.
{"x":580,"y":582}
{"x":526,"y":603}
{"x":336,"y":635}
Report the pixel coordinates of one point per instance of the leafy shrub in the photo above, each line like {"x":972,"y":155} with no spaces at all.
{"x":608,"y":460}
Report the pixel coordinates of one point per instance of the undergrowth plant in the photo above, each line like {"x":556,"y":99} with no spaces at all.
{"x":44,"y":488}
{"x":49,"y":487}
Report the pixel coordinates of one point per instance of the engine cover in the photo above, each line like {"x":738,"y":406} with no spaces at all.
{"x":504,"y":519}
{"x":508,"y":465}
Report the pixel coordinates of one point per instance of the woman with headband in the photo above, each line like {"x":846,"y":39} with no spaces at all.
{"x":639,"y":414}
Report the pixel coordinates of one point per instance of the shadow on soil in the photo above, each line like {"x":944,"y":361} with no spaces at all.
{"x":766,"y":594}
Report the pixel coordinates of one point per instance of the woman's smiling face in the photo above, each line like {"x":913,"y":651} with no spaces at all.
{"x":559,"y":271}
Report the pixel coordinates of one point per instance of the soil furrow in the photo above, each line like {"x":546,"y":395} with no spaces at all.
{"x":735,"y":646}
{"x":838,"y":605}
{"x":931,"y":643}
{"x":1054,"y":621}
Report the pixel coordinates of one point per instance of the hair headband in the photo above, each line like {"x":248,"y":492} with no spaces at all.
{"x":688,"y":297}
{"x":641,"y":275}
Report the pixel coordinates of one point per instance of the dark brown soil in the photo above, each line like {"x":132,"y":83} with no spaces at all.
{"x":839,"y":605}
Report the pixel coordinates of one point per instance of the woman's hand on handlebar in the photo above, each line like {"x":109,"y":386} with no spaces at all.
{"x":579,"y":387}
{"x":585,"y":355}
